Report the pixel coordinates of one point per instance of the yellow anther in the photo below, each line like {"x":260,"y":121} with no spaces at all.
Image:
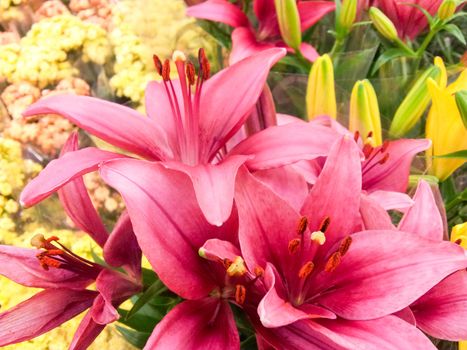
{"x":237,"y":268}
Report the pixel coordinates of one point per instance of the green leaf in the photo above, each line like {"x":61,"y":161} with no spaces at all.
{"x":461,"y":101}
{"x":386,"y":57}
{"x":155,"y":289}
{"x":448,"y":190}
{"x":135,"y":338}
{"x":140,"y":322}
{"x":455,"y":32}
{"x":149,"y":277}
{"x":458,"y":155}
{"x":222,"y":36}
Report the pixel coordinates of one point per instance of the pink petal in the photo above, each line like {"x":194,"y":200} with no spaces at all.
{"x":21,"y":266}
{"x":41,"y":313}
{"x":266,"y":224}
{"x":114,"y":288}
{"x":245,"y":44}
{"x":219,"y":11}
{"x":158,"y":108}
{"x":286,"y":144}
{"x":385,"y":271}
{"x":407,"y":315}
{"x":168,"y":223}
{"x":374,"y":216}
{"x":275,"y":311}
{"x":336,"y":193}
{"x":390,"y":200}
{"x":206,"y":324}
{"x":285,"y":182}
{"x":77,"y":203}
{"x":122,"y":248}
{"x":388,"y":333}
{"x":312,"y":11}
{"x":87,"y":332}
{"x":443,"y":310}
{"x":61,"y":171}
{"x":229,"y":97}
{"x":217,"y":250}
{"x":309,"y":52}
{"x":393,"y":175}
{"x":423,"y":218}
{"x":214,"y":186}
{"x":118,"y":125}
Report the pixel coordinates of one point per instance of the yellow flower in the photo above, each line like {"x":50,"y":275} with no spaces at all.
{"x":459,"y":234}
{"x":11,"y":206}
{"x":364,"y":113}
{"x":320,"y":93}
{"x":445,"y":128}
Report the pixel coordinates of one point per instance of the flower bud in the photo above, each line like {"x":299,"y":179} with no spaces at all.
{"x":289,"y":22}
{"x":346,"y":16}
{"x":320,"y":93}
{"x":447,"y":9}
{"x":383,"y":24}
{"x":461,"y":101}
{"x":364,"y":113}
{"x":415,"y":103}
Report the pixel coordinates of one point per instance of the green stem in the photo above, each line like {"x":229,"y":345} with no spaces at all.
{"x":337,"y":47}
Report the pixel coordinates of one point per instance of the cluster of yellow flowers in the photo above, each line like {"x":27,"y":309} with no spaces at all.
{"x":60,"y":337}
{"x":160,"y":28}
{"x":14,"y":172}
{"x":42,"y":57}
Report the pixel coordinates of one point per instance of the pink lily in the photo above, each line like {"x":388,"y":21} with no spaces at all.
{"x":385,"y":169}
{"x":409,"y":20}
{"x":186,"y":131}
{"x":442,"y":310}
{"x":64,"y":276}
{"x":323,"y":275}
{"x":246,"y":39}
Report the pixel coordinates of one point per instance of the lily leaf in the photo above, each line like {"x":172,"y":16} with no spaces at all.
{"x":140,"y":322}
{"x":455,"y":32}
{"x":154,"y":290}
{"x":386,"y":57}
{"x":135,"y":338}
{"x":459,"y":154}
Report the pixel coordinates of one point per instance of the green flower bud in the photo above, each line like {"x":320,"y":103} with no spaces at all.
{"x":289,"y":22}
{"x":383,"y":24}
{"x":447,"y":9}
{"x":346,"y":16}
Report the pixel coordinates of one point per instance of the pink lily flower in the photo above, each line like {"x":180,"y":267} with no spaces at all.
{"x":64,"y":276}
{"x":442,"y":310}
{"x":409,"y":20}
{"x":385,"y":169}
{"x":323,"y":275}
{"x":248,"y":39}
{"x":185,"y":130}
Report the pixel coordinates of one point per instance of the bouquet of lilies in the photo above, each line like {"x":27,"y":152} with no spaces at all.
{"x":249,"y":228}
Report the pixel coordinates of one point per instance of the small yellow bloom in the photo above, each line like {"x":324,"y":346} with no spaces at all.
{"x":5,"y":189}
{"x":445,"y":128}
{"x":459,"y":234}
{"x":320,"y":93}
{"x":364,"y":113}
{"x":11,"y":206}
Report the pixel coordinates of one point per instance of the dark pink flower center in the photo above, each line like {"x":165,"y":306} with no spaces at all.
{"x":186,"y":112}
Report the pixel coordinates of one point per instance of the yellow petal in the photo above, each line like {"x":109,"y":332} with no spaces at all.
{"x":459,"y":232}
{"x":445,"y":128}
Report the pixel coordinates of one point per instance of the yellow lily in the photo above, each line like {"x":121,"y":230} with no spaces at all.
{"x":320,"y":93}
{"x":445,"y":128}
{"x":364,"y":113}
